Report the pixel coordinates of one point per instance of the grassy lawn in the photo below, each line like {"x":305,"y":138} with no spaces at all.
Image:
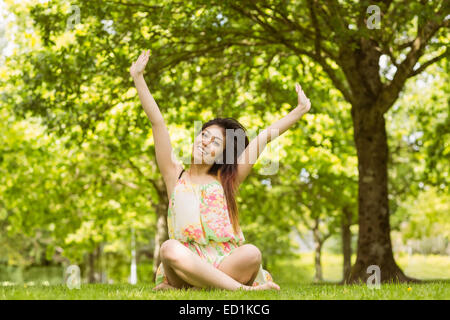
{"x":422,"y":267}
{"x":439,"y":290}
{"x":294,"y":278}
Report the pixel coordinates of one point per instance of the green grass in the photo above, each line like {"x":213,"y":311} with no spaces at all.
{"x":294,"y":277}
{"x":417,"y":266}
{"x":438,"y":290}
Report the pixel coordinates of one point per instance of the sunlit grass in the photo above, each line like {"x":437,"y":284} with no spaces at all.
{"x":424,"y":267}
{"x":438,"y":290}
{"x":294,"y":277}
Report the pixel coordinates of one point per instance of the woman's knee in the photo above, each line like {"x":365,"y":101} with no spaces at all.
{"x":170,"y":251}
{"x":253,"y":254}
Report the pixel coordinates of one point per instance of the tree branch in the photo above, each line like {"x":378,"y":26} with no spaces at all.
{"x":157,"y":188}
{"x":336,"y":10}
{"x":428,"y":63}
{"x":391,"y":91}
{"x":318,"y":37}
{"x":143,"y":5}
{"x":346,"y":92}
{"x":277,"y":36}
{"x":306,"y":33}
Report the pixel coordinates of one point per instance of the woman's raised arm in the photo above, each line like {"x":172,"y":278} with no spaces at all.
{"x":251,"y":153}
{"x":163,"y":147}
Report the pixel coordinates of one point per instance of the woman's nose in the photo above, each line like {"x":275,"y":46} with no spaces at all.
{"x":207,"y":141}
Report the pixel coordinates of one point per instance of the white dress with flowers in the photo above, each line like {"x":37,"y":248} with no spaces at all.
{"x":198,"y":218}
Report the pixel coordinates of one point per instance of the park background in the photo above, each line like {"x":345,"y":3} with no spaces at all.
{"x":78,"y":177}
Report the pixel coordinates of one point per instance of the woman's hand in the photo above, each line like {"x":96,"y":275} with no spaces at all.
{"x":303,"y":102}
{"x":138,"y":67}
{"x":257,"y":145}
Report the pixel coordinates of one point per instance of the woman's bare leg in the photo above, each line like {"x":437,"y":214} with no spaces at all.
{"x":166,"y":286}
{"x":239,"y":266}
{"x":242,"y":264}
{"x":193,"y":270}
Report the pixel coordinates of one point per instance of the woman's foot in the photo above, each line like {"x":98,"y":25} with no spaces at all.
{"x":265,"y":286}
{"x":194,"y":288}
{"x":163,"y":286}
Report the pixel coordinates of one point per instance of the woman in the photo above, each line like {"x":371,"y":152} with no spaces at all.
{"x":206,"y":247}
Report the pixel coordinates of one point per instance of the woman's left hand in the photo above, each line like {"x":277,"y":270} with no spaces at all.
{"x":303,"y":102}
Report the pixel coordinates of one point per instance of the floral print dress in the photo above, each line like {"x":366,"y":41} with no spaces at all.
{"x":198,"y":218}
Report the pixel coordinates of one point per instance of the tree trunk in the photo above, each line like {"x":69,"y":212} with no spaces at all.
{"x":317,"y":263}
{"x":161,"y":233}
{"x":94,"y":265}
{"x":374,"y":242}
{"x":346,"y":242}
{"x":99,"y":258}
{"x":133,"y":266}
{"x":317,"y":254}
{"x":91,"y":268}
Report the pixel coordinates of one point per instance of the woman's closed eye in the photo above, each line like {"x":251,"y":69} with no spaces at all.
{"x":206,"y":135}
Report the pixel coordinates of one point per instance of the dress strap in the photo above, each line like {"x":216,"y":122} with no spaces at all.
{"x":180,"y":174}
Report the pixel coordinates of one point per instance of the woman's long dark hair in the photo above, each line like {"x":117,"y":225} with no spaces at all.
{"x":227,"y":172}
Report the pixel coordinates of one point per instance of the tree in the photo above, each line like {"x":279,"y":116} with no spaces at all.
{"x":325,"y":166}
{"x":231,"y":42}
{"x":335,"y":36}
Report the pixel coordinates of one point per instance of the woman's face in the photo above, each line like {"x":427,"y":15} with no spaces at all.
{"x":209,"y":145}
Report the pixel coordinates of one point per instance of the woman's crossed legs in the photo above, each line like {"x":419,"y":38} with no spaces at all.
{"x":184,"y":269}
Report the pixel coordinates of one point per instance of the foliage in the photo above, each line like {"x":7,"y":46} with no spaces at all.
{"x":77,"y":160}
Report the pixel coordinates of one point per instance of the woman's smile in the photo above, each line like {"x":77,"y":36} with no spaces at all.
{"x":202,"y":151}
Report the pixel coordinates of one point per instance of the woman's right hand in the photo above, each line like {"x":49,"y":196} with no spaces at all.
{"x":304,"y":104}
{"x":138,"y":67}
